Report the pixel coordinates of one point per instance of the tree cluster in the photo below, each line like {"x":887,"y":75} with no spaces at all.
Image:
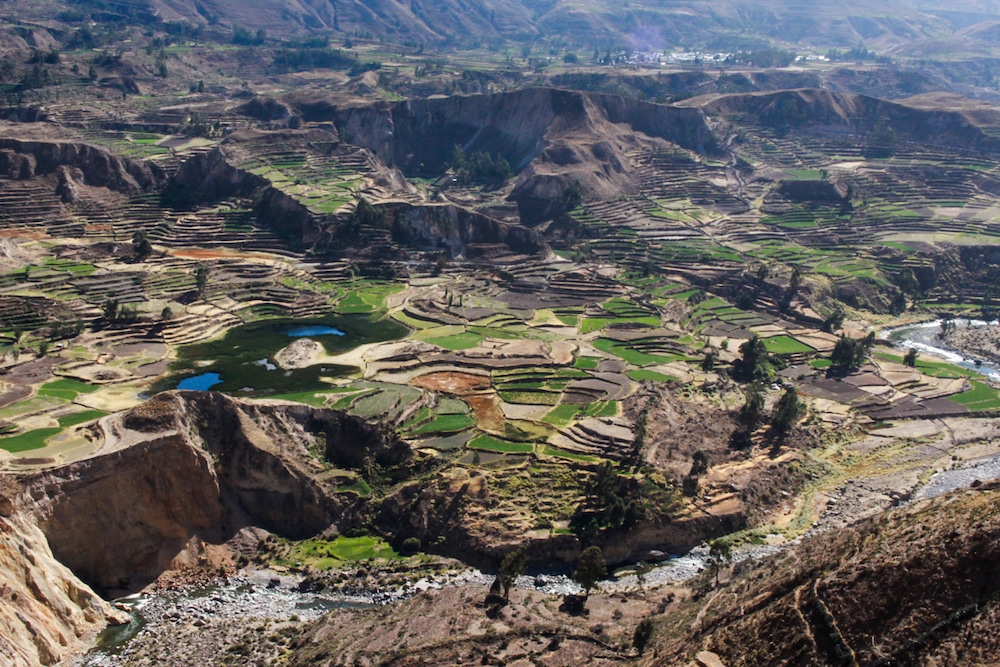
{"x":784,"y":415}
{"x":699,"y":466}
{"x":297,"y":60}
{"x":245,"y":37}
{"x":365,"y":215}
{"x":849,"y":353}
{"x":606,"y":505}
{"x":480,"y":167}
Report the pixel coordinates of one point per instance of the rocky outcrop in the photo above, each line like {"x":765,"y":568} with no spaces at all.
{"x":453,"y":511}
{"x":214,"y":175}
{"x":454,"y":228}
{"x":559,"y":141}
{"x":89,"y":165}
{"x":197,"y":466}
{"x":419,"y":135}
{"x":860,"y":115}
{"x":263,"y":108}
{"x":46,"y":612}
{"x":211,"y":176}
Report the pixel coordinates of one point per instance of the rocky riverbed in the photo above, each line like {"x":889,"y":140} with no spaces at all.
{"x":254,"y":617}
{"x":982,"y":340}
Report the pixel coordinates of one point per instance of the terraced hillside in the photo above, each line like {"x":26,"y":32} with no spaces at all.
{"x":586,"y":318}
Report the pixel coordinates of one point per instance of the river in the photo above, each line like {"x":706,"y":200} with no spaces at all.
{"x":263,"y":594}
{"x":923,"y":337}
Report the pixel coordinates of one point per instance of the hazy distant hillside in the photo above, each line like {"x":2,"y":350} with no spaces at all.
{"x":600,"y":24}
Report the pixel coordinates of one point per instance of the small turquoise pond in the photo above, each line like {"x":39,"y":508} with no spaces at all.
{"x":316,"y":330}
{"x":202,"y":382}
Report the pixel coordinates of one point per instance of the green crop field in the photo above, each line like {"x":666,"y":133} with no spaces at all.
{"x":549,"y":450}
{"x":80,"y":418}
{"x":29,"y":440}
{"x":66,"y":388}
{"x":491,"y":444}
{"x":530,"y":397}
{"x":642,"y":374}
{"x":562,"y":415}
{"x":938,"y":369}
{"x":630,"y":354}
{"x":328,"y":554}
{"x":785,"y":345}
{"x":461,"y":341}
{"x":980,"y":397}
{"x":444,"y":424}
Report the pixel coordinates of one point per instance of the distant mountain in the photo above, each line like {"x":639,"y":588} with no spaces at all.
{"x":598,"y":24}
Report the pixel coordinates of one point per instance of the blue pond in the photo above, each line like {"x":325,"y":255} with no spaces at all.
{"x":202,"y":382}
{"x":315,"y":330}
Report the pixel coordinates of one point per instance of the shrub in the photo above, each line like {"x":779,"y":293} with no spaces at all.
{"x":411,"y":545}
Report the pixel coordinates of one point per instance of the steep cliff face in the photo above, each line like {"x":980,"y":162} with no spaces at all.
{"x":85,"y":164}
{"x":182,"y":469}
{"x":46,"y":612}
{"x":194,"y":465}
{"x":419,"y":135}
{"x":119,"y":520}
{"x":840,"y":113}
{"x":559,"y":141}
{"x":211,"y":176}
{"x":436,"y":226}
{"x":455,"y":512}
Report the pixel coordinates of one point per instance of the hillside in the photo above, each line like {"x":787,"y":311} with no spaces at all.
{"x":645,"y":25}
{"x":915,"y":586}
{"x":317,"y":315}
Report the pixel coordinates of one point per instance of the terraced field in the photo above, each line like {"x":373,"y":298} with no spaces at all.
{"x":486,"y":357}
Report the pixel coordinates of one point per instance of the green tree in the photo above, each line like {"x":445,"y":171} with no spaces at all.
{"x":365,"y":215}
{"x":796,"y":279}
{"x":720,"y":554}
{"x":786,"y":412}
{"x":111,"y":310}
{"x":411,"y":545}
{"x":141,"y":245}
{"x":699,"y":463}
{"x":167,"y":314}
{"x":590,"y":568}
{"x":749,"y":416}
{"x":643,"y":633}
{"x":605,"y":505}
{"x":752,"y":412}
{"x":201,"y":278}
{"x":848,"y":354}
{"x":910,"y":359}
{"x":511,"y":567}
{"x":947,"y":327}
{"x":753,"y":366}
